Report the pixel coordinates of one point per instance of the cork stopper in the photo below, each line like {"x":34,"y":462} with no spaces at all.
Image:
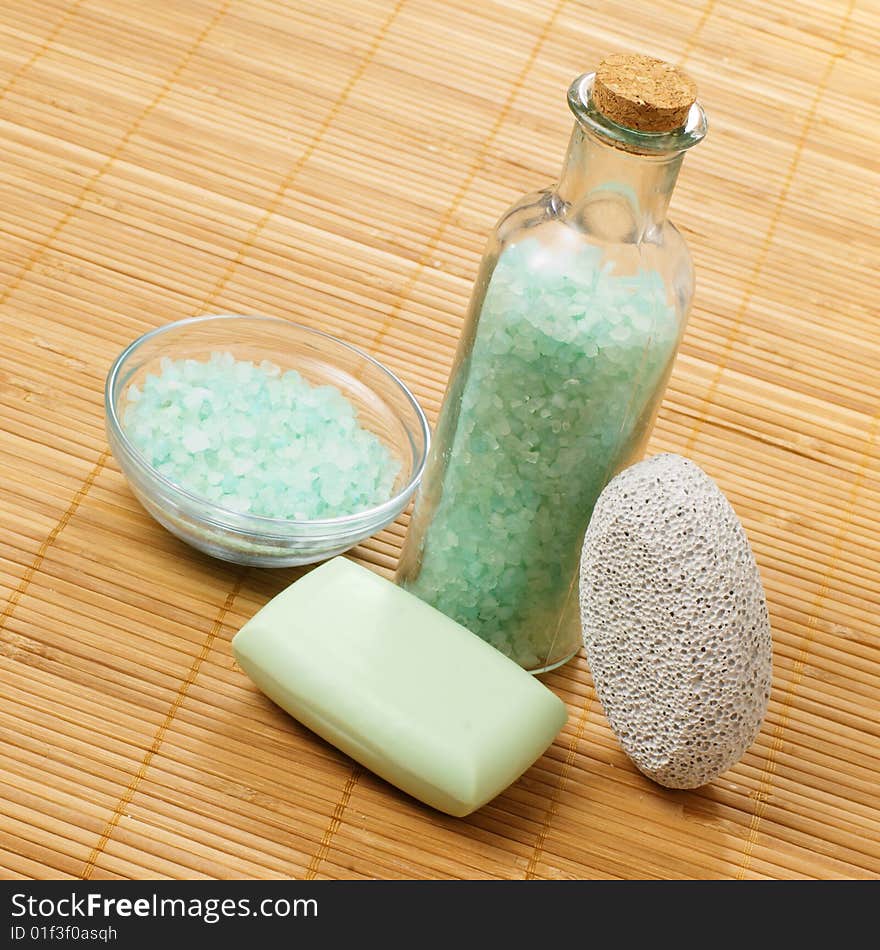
{"x":643,"y":93}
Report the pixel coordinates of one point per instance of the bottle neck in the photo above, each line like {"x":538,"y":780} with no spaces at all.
{"x":616,"y":195}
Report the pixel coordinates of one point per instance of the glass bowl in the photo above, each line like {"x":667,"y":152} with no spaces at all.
{"x":384,"y":406}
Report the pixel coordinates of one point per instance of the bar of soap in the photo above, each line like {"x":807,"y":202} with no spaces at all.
{"x":398,"y":686}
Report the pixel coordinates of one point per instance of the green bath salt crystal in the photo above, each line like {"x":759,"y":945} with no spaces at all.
{"x":559,"y":392}
{"x":255,"y":439}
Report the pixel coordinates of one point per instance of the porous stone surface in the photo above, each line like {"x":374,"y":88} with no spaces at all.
{"x":675,"y":622}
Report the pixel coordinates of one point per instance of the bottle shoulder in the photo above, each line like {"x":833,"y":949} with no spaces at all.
{"x":533,"y":209}
{"x":546,"y":207}
{"x":544,"y":220}
{"x":674,"y":240}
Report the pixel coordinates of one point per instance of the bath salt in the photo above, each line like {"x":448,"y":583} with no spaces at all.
{"x":564,"y":375}
{"x":255,"y":439}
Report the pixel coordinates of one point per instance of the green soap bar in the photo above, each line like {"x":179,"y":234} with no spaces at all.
{"x":398,"y":686}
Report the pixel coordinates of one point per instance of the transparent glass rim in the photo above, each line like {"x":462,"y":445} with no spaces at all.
{"x":242,"y":521}
{"x":580,"y":101}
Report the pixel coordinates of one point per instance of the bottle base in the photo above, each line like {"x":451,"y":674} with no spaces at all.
{"x":553,"y":666}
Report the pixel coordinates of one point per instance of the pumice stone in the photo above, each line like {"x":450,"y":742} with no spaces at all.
{"x":675,"y":622}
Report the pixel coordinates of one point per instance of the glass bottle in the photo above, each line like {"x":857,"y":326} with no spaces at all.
{"x":575,"y":318}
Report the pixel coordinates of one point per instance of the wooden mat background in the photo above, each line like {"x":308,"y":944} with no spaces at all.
{"x":340,"y":163}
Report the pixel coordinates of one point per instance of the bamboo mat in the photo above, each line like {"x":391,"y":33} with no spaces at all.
{"x":340,"y":163}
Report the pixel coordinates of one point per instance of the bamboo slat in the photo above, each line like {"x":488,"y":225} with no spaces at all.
{"x":341,"y":164}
